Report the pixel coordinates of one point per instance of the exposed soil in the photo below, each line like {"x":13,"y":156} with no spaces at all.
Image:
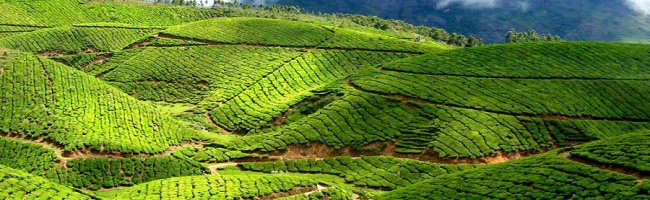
{"x":294,"y":192}
{"x":98,"y":60}
{"x":318,"y":151}
{"x":62,"y":154}
{"x":140,"y":43}
{"x":90,"y":153}
{"x":60,"y":53}
{"x":214,"y":168}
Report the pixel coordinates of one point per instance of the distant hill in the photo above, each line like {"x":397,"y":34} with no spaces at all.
{"x":594,"y":20}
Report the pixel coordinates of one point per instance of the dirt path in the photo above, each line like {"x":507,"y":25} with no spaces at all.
{"x":214,"y":167}
{"x":64,"y":155}
{"x":319,"y":151}
{"x":294,"y":192}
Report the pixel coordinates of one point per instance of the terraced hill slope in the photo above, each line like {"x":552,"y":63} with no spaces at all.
{"x":139,"y":101}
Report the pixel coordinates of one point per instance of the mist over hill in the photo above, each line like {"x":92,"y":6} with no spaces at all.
{"x":595,"y":20}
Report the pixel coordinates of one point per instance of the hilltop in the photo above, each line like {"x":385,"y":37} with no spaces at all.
{"x":125,"y":100}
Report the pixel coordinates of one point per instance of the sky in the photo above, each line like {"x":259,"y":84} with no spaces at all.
{"x":641,"y":6}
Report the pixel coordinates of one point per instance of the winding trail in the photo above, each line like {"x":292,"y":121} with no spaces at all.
{"x":64,"y":155}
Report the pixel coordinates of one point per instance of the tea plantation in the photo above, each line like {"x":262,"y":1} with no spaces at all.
{"x":135,"y":100}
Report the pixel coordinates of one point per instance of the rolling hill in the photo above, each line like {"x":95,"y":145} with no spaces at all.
{"x":130,"y":100}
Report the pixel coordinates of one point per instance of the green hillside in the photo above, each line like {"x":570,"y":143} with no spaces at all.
{"x":546,"y":176}
{"x":133,"y":100}
{"x":17,"y":184}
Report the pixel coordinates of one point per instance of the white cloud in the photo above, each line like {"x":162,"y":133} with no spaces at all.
{"x":476,"y":4}
{"x":641,"y":6}
{"x":523,"y":5}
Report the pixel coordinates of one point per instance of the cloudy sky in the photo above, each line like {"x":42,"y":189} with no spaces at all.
{"x":641,"y":6}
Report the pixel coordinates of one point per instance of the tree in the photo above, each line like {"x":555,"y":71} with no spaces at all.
{"x":511,"y":37}
{"x":531,"y":36}
{"x":474,"y":41}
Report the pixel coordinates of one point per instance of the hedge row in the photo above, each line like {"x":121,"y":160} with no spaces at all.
{"x":216,"y":187}
{"x":76,"y":39}
{"x":546,"y":176}
{"x":43,"y":98}
{"x":241,"y":30}
{"x":16,"y":184}
{"x":190,"y":74}
{"x":26,"y":156}
{"x":96,"y":173}
{"x":631,"y":151}
{"x":377,"y":172}
{"x":610,"y":99}
{"x":536,"y":60}
{"x":290,"y":84}
{"x":214,"y":155}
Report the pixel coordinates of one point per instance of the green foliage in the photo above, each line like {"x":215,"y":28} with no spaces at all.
{"x":253,"y":31}
{"x":29,"y":157}
{"x":587,"y":60}
{"x":73,"y":39}
{"x":43,"y":98}
{"x":290,"y":84}
{"x":531,"y":36}
{"x":332,"y":193}
{"x":308,"y":106}
{"x":214,"y":155}
{"x":168,"y":42}
{"x":68,"y":12}
{"x":216,"y":187}
{"x":546,"y":176}
{"x":359,"y":119}
{"x":604,"y":99}
{"x":78,"y":61}
{"x":631,"y":151}
{"x":16,"y":184}
{"x":190,"y":74}
{"x":351,"y":39}
{"x":377,"y":172}
{"x":96,"y":173}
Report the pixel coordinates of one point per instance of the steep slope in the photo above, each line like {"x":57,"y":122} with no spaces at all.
{"x":547,"y":176}
{"x":42,"y":98}
{"x":15,"y":184}
{"x":221,"y":187}
{"x":78,"y":38}
{"x":628,"y":152}
{"x":553,"y":85}
{"x":449,"y":104}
